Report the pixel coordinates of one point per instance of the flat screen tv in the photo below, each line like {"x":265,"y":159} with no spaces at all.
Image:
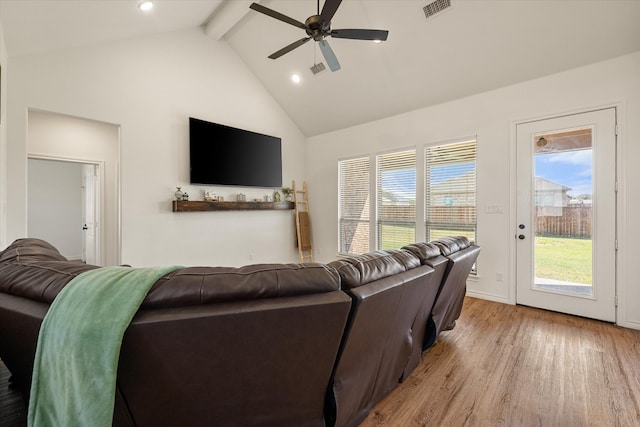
{"x":223,"y":155}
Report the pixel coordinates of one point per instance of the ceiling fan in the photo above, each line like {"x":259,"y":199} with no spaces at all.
{"x":318,"y":28}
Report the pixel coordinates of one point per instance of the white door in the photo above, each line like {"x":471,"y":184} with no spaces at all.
{"x":90,"y":214}
{"x":566,"y":214}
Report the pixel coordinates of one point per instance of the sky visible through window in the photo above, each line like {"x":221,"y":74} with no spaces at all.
{"x":570,"y":168}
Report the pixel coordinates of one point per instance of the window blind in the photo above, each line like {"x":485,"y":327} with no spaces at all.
{"x":396,"y":199}
{"x":450,"y":190}
{"x":354,"y":205}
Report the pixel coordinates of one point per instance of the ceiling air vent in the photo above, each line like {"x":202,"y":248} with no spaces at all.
{"x":317,"y":68}
{"x":435,"y":7}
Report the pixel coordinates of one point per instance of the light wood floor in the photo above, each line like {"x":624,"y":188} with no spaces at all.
{"x":502,"y":366}
{"x":517,"y":366}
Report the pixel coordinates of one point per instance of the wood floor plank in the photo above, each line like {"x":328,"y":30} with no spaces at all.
{"x":509,"y":365}
{"x":12,"y":408}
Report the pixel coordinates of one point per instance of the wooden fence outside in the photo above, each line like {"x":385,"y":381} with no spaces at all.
{"x":575,"y":221}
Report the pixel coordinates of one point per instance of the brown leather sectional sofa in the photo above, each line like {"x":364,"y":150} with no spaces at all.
{"x":268,"y":345}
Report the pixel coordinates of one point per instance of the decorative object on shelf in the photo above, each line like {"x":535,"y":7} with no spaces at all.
{"x":276,"y":196}
{"x":185,"y":196}
{"x":241,"y":197}
{"x":267,"y":198}
{"x":211,"y":197}
{"x":178,"y":193}
{"x":288,"y":193}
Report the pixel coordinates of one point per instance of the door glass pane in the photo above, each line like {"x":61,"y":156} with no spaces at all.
{"x":563,"y":212}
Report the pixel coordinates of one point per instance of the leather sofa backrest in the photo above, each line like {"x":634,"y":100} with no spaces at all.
{"x":34,"y":269}
{"x":24,"y":250}
{"x":358,"y":270}
{"x":207,"y":285}
{"x":461,"y":256}
{"x":250,"y":362}
{"x":388,"y":289}
{"x":449,"y":245}
{"x":425,"y":328}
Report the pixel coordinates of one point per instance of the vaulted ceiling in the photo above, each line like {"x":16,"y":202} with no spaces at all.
{"x":471,"y":47}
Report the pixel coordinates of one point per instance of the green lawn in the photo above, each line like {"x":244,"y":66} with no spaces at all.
{"x":564,"y":259}
{"x":396,"y":236}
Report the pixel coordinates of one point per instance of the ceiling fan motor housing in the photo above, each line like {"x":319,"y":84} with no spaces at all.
{"x":317,"y":28}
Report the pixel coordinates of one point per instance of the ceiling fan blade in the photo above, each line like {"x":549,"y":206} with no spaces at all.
{"x":289,"y":48}
{"x":329,"y":9}
{"x":329,"y":56}
{"x":360,"y":34}
{"x":277,"y":15}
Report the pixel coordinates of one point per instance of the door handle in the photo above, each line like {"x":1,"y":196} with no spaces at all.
{"x":521,"y":236}
{"x":85,"y":227}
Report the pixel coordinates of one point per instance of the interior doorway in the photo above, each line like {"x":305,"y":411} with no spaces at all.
{"x":566,"y":214}
{"x":63,"y":206}
{"x":67,"y":140}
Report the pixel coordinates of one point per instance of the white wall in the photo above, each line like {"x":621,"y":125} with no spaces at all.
{"x":55,"y":204}
{"x":3,"y":137}
{"x":492,"y":116}
{"x":149,"y":87}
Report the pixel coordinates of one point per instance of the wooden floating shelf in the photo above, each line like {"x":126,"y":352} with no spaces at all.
{"x":204,"y":206}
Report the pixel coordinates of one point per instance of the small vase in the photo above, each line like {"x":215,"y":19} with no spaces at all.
{"x":276,"y":196}
{"x":178,"y":193}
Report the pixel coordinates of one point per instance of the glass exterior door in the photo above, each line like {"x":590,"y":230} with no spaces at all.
{"x":566,"y":214}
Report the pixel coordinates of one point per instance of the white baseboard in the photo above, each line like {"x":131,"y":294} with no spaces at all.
{"x":490,"y":297}
{"x":630,"y":325}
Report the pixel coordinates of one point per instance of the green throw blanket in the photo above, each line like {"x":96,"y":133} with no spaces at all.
{"x":74,"y":373}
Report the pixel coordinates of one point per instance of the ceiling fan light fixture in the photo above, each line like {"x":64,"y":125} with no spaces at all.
{"x":145,"y":6}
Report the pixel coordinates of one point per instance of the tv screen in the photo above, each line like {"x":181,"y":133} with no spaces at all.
{"x":223,"y":155}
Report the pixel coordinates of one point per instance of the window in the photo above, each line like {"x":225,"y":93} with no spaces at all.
{"x":396,"y":188}
{"x":450,"y":190}
{"x":353,"y":205}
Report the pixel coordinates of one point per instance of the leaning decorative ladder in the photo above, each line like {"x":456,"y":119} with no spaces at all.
{"x":303,"y":225}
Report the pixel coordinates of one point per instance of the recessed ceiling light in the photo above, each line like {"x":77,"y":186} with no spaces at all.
{"x":145,"y":5}
{"x":296,"y":78}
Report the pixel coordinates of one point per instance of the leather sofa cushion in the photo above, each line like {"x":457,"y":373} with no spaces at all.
{"x":205,"y":285}
{"x":24,"y":250}
{"x":357,"y":270}
{"x":34,"y":269}
{"x":449,"y":245}
{"x":423,"y":250}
